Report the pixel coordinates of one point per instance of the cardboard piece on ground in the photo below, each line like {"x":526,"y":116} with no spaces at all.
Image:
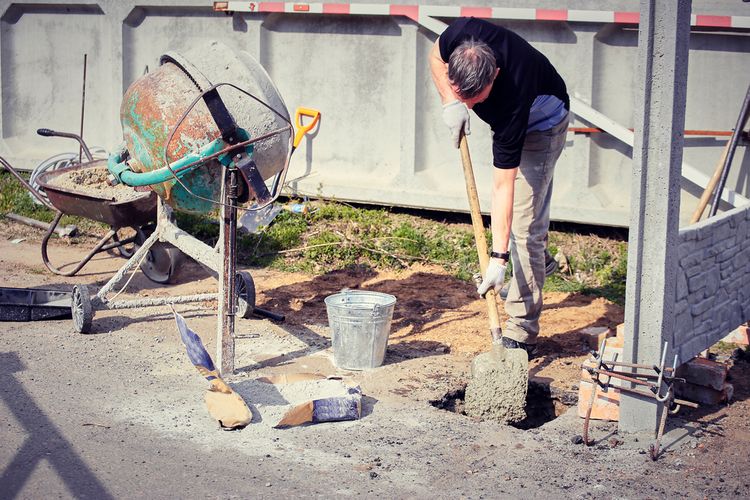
{"x":223,"y":404}
{"x":323,"y":410}
{"x":228,"y":408}
{"x":339,"y":401}
{"x":289,"y":378}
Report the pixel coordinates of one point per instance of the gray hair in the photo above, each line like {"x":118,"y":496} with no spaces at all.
{"x":471,"y":67}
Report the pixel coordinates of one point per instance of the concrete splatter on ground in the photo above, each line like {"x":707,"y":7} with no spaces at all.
{"x":120,"y":413}
{"x":272,"y":401}
{"x":497,"y":390}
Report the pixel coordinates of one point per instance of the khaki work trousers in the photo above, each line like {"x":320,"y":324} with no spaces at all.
{"x":531,"y":205}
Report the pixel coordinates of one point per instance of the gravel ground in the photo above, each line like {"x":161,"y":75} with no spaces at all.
{"x":120,"y":414}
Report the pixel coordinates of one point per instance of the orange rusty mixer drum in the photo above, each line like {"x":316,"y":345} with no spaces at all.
{"x":156,"y":103}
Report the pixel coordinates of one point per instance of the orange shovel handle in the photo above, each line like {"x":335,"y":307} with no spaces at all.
{"x":304,"y":129}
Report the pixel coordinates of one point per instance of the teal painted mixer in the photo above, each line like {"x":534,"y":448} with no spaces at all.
{"x":207,"y":131}
{"x":182,"y":131}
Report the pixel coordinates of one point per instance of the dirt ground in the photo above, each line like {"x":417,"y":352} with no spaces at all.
{"x":120,"y":412}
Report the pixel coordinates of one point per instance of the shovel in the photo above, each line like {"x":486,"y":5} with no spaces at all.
{"x":500,"y":377}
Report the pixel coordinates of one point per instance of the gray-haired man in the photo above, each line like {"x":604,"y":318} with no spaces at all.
{"x":516,"y":90}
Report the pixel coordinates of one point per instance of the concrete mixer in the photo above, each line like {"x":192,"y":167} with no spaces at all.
{"x":181,"y":130}
{"x":208,"y":132}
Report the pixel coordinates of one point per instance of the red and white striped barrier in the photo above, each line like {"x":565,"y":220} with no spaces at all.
{"x":418,"y":13}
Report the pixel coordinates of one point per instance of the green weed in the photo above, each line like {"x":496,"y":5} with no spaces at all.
{"x":335,"y":235}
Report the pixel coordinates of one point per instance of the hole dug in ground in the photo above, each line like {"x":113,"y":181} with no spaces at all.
{"x":542,"y":404}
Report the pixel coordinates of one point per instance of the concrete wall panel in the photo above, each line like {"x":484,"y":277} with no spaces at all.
{"x":351,"y":69}
{"x":612,"y":94}
{"x":713,"y":282}
{"x":43,"y":49}
{"x":713,"y":81}
{"x":149,"y":32}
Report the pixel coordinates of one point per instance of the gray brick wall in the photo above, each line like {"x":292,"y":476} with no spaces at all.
{"x":713,"y":282}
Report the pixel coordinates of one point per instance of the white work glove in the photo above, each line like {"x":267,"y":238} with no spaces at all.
{"x":494,"y":277}
{"x":456,"y":116}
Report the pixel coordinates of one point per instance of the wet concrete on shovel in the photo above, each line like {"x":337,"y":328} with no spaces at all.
{"x":497,"y":389}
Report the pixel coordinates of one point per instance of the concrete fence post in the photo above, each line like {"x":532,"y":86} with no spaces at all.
{"x":655,"y":194}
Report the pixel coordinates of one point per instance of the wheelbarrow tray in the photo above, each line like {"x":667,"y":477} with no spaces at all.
{"x":26,"y":304}
{"x":135,"y":212}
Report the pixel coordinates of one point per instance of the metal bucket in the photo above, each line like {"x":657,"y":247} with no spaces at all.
{"x":360,"y":325}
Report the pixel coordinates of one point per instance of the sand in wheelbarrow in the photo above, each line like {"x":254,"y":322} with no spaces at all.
{"x":92,"y":181}
{"x":498,"y":386}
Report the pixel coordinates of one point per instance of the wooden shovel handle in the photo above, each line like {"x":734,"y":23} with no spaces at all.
{"x":706,"y":196}
{"x":479,"y":235}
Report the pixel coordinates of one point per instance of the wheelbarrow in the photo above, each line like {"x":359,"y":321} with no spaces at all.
{"x":137,"y":212}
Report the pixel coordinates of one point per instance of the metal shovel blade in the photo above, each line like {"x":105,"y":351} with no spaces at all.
{"x":499,"y":381}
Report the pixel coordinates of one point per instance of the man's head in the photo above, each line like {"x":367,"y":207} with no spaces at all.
{"x":471,"y":70}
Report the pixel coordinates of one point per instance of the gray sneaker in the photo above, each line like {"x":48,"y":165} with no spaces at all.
{"x":550,"y":264}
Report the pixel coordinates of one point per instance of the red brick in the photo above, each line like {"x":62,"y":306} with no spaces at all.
{"x":594,"y":335}
{"x":606,"y":405}
{"x":616,"y":343}
{"x":620,"y":330}
{"x":740,"y":336}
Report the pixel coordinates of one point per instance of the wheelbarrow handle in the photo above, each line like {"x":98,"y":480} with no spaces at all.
{"x":304,"y":129}
{"x":45,"y":132}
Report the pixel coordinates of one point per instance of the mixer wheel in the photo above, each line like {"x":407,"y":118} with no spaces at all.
{"x":161,"y":263}
{"x":162,"y":260}
{"x":81,"y":309}
{"x":245,"y":292}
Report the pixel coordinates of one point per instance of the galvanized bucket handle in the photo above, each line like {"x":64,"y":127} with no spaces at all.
{"x":347,"y":293}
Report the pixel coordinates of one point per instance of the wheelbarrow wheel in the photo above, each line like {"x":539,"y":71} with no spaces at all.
{"x":162,"y":260}
{"x":81,"y":309}
{"x":245,"y":292}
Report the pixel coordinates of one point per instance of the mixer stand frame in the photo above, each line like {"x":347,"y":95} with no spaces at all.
{"x":221,"y":260}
